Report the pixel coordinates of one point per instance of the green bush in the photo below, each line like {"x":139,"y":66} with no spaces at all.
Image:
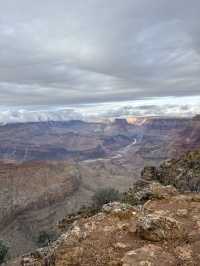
{"x":129,"y":197}
{"x":87,"y":211}
{"x":104,"y":196}
{"x":3,"y":251}
{"x":44,"y":238}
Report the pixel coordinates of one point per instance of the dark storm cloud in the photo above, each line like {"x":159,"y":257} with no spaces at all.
{"x":61,"y":52}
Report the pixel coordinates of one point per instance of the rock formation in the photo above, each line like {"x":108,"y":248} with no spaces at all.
{"x":183,"y":173}
{"x":162,"y":231}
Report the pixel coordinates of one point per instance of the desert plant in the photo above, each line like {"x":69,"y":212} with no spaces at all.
{"x":129,"y":197}
{"x":3,"y":252}
{"x":44,"y":238}
{"x":104,"y":196}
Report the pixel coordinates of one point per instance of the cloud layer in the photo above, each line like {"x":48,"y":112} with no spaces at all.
{"x":63,"y":52}
{"x":165,"y":106}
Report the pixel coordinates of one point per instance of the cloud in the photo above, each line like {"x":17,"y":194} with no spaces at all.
{"x":64,"y":52}
{"x":165,"y":106}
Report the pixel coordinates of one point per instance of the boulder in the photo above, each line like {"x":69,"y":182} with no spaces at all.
{"x":114,"y":207}
{"x":155,"y":227}
{"x":149,"y":173}
{"x":155,"y":191}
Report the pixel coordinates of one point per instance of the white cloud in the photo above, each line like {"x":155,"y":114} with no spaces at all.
{"x":166,"y":106}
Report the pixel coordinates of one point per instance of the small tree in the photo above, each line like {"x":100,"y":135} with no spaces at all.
{"x":3,"y":251}
{"x":104,"y":196}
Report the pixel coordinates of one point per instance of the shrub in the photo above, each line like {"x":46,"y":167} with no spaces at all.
{"x":129,"y":197}
{"x":104,"y":196}
{"x":44,"y":238}
{"x":3,"y":251}
{"x":89,"y":211}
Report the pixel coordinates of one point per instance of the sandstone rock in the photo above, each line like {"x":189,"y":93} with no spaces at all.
{"x":120,"y":210}
{"x":195,"y":197}
{"x":182,"y":173}
{"x":30,"y":262}
{"x":157,"y":228}
{"x":182,"y":212}
{"x":40,"y":257}
{"x":149,"y":173}
{"x":120,"y":245}
{"x":115,"y":207}
{"x":149,"y":255}
{"x":114,"y":263}
{"x":110,"y":228}
{"x":194,"y":236}
{"x":162,"y":192}
{"x":184,"y":252}
{"x":149,"y":191}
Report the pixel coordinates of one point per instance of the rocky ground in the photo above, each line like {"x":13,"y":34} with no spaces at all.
{"x":164,"y":230}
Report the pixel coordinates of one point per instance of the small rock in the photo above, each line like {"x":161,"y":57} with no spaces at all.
{"x":182,"y":212}
{"x":109,"y":228}
{"x":116,"y":207}
{"x":120,"y":245}
{"x":184,"y":253}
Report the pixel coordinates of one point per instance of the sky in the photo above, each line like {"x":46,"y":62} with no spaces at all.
{"x":100,"y":53}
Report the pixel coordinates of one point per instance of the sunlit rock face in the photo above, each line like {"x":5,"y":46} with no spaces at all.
{"x":137,"y":120}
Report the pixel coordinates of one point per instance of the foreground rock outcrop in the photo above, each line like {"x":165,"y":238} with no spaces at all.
{"x":183,"y":173}
{"x":156,"y":227}
{"x":162,"y":231}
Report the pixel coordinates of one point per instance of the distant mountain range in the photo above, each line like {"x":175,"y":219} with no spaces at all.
{"x":80,"y":140}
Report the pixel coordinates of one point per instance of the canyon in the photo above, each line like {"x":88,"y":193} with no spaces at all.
{"x":153,"y":224}
{"x":51,"y":169}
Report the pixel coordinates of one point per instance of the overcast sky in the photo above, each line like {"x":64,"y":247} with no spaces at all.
{"x":85,"y":51}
